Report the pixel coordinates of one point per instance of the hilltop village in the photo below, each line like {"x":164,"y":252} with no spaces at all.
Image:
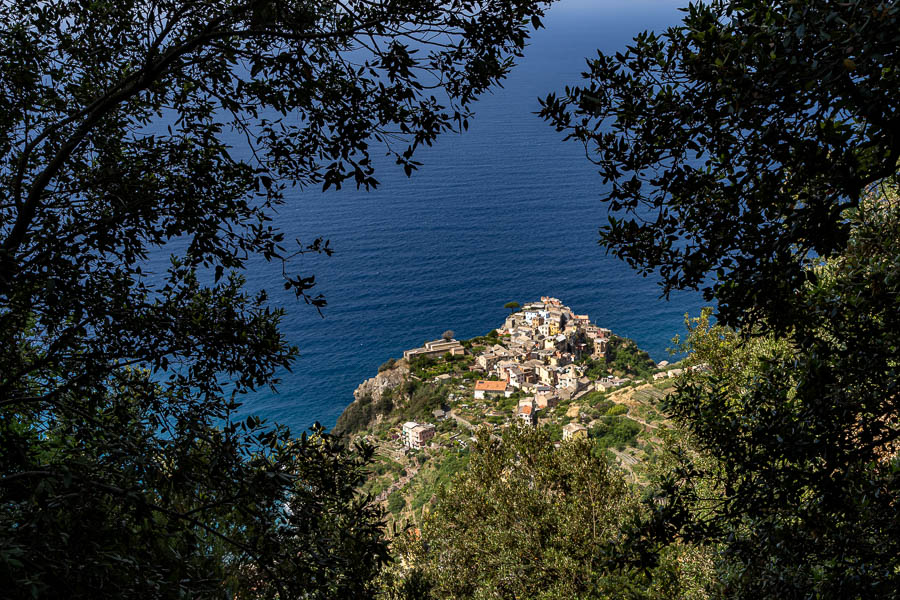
{"x":541,"y":356}
{"x":546,"y":366}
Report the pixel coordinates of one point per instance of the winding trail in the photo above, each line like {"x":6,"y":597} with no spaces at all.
{"x":624,"y":457}
{"x":468,"y":425}
{"x":643,"y":422}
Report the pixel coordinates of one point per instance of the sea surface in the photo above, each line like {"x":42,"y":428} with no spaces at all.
{"x":505,"y":211}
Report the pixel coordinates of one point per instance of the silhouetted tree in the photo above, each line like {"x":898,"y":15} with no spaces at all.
{"x":752,"y":151}
{"x":123,"y":471}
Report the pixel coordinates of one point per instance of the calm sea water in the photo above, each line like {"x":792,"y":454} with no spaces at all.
{"x":506,"y":211}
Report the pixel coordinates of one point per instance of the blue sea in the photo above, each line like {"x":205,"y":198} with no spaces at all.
{"x":505,"y":211}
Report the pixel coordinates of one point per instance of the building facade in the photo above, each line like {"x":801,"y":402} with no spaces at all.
{"x":416,"y":435}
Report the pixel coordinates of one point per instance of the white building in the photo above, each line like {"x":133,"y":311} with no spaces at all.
{"x":491,"y":388}
{"x":436,"y":348}
{"x":416,"y":435}
{"x":526,"y":412}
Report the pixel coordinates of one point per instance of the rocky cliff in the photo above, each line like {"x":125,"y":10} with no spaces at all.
{"x":370,"y":399}
{"x":374,"y":387}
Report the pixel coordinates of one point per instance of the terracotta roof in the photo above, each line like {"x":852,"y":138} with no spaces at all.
{"x":490,"y":386}
{"x":525,"y":409}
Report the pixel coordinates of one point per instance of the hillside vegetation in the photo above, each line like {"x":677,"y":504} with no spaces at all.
{"x":623,"y":425}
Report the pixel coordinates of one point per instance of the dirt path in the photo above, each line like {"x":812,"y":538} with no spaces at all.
{"x":461,"y":421}
{"x":643,"y":422}
{"x":626,"y":458}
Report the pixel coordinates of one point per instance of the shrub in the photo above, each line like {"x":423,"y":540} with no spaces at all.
{"x":396,"y":502}
{"x":616,"y":410}
{"x":617,"y":432}
{"x":623,"y":355}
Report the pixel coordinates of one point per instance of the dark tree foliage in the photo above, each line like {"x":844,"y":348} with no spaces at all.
{"x":807,"y":435}
{"x":122,"y":471}
{"x":624,"y":355}
{"x":753,"y":150}
{"x":615,"y":431}
{"x":526,"y":519}
{"x":512,"y":306}
{"x":360,"y":414}
{"x":733,"y":142}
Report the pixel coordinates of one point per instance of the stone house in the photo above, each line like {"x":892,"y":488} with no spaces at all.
{"x":574,"y":430}
{"x":546,"y":399}
{"x":526,"y":412}
{"x":435,"y":349}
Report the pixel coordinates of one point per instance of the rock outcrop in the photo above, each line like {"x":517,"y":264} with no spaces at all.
{"x":370,"y":402}
{"x":374,"y":387}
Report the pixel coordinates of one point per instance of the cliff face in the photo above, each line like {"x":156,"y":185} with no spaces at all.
{"x":374,"y":387}
{"x":370,"y":401}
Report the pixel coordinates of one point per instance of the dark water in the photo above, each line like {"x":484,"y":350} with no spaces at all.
{"x":504,"y":212}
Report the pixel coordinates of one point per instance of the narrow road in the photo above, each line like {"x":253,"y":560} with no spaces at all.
{"x":461,"y":421}
{"x":583,"y":392}
{"x":625,"y":458}
{"x":643,"y":422}
{"x":469,"y":425}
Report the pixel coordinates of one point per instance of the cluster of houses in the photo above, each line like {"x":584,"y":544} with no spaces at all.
{"x":543,"y":342}
{"x":667,"y":373}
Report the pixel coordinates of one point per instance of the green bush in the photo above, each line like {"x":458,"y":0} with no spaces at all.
{"x":507,"y":404}
{"x":616,"y":432}
{"x":555,"y":431}
{"x":624,"y":356}
{"x":423,"y":400}
{"x":354,"y":418}
{"x":396,"y":502}
{"x":596,"y":369}
{"x":386,"y":404}
{"x":616,"y":410}
{"x":357,"y":416}
{"x":596,"y":399}
{"x":421,"y":362}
